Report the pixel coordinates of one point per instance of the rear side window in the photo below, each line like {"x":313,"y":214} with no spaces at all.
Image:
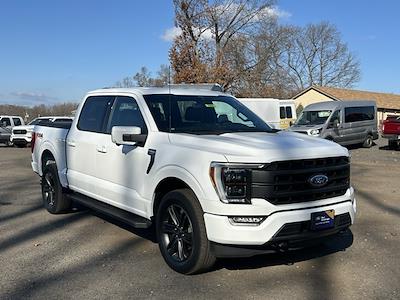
{"x":289,"y":112}
{"x":126,"y":112}
{"x":5,"y":122}
{"x":94,"y":112}
{"x":356,"y":114}
{"x":17,"y":121}
{"x":282,"y":112}
{"x":62,"y":120}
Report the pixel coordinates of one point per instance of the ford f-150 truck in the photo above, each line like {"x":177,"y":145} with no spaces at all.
{"x":213,"y":178}
{"x":391,"y":131}
{"x":22,"y":135}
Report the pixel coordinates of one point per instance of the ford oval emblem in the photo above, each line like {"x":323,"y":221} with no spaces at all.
{"x":318,"y":180}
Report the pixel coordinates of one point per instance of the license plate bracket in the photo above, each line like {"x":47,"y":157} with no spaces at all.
{"x":323,"y":220}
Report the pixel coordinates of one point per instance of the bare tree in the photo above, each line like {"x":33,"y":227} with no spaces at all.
{"x":144,"y":78}
{"x":210,"y":31}
{"x":316,"y":55}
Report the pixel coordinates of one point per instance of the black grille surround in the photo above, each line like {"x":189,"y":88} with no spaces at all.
{"x":287,"y":182}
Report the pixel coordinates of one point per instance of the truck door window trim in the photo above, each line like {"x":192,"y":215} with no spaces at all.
{"x":104,"y":116}
{"x":107,"y":128}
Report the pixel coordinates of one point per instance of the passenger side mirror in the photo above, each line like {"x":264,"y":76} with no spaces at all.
{"x":128,"y":135}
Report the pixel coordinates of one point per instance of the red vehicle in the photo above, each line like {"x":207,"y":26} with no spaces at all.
{"x":391,"y":131}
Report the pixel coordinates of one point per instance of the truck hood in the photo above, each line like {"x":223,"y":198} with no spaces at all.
{"x":261,"y":147}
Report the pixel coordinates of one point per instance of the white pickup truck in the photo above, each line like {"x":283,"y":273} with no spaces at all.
{"x":21,"y":135}
{"x":213,"y":178}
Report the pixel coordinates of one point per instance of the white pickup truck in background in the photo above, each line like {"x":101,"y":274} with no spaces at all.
{"x":213,"y":178}
{"x":21,"y":135}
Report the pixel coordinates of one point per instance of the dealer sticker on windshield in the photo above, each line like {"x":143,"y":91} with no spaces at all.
{"x":323,"y":220}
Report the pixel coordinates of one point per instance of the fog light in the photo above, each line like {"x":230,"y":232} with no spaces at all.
{"x":246,"y":220}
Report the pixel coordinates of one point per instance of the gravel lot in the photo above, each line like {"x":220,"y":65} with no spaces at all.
{"x":85,"y":255}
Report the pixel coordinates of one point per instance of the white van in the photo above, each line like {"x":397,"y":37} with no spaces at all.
{"x":279,"y":114}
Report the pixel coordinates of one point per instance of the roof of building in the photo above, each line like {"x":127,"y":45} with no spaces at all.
{"x":383,"y":100}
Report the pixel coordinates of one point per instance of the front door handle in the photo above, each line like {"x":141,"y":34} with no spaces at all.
{"x":71,"y":143}
{"x":101,"y":149}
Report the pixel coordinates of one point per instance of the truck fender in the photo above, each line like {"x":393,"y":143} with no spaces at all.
{"x":174,"y":171}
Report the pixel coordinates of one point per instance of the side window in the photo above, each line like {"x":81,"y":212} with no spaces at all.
{"x":62,"y":120}
{"x":17,"y":121}
{"x":94,"y":112}
{"x":289,"y":112}
{"x":5,"y":122}
{"x":126,"y":112}
{"x":362,"y":113}
{"x":282,"y":112}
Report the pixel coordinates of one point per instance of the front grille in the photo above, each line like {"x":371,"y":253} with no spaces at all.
{"x":286,"y":182}
{"x":19,"y":131}
{"x":304,"y":132}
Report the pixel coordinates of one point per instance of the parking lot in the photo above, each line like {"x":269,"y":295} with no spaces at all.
{"x":85,"y":255}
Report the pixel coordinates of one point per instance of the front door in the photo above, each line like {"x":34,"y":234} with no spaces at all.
{"x":121,"y":169}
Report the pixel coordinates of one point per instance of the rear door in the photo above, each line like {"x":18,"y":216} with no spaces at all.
{"x":121,"y":169}
{"x":82,"y":144}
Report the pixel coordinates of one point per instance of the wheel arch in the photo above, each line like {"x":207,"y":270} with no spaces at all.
{"x":174,"y":182}
{"x":46,"y":156}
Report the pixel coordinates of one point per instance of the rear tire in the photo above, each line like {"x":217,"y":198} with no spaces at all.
{"x":368,"y":142}
{"x":181,"y":233}
{"x":54,"y":198}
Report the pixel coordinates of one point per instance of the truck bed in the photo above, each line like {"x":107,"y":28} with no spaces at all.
{"x":391,"y":126}
{"x":51,"y":137}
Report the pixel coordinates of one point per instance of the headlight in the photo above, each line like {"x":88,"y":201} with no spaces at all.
{"x":315,"y":132}
{"x":232,"y":181}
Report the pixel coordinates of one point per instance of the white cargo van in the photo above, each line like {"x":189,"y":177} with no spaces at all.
{"x":278,"y":114}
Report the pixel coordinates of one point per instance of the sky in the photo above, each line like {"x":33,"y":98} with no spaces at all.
{"x":55,"y":51}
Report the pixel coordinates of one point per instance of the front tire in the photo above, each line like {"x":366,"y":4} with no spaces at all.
{"x":181,"y":233}
{"x":368,"y":142}
{"x":54,"y":199}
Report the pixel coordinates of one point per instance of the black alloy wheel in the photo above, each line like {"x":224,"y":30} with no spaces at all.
{"x":177,"y":233}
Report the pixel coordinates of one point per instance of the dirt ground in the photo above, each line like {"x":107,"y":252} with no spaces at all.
{"x":84,"y":255}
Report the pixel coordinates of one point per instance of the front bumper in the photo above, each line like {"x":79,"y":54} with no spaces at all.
{"x":220,"y":230}
{"x":21,"y":139}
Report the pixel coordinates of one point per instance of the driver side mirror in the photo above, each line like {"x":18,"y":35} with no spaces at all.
{"x":128,"y":135}
{"x":336,"y":123}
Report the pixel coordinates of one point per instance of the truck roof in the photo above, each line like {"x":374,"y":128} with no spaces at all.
{"x":9,"y":116}
{"x":175,"y":90}
{"x":329,"y":105}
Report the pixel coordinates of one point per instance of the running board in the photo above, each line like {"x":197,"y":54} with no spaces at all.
{"x":112,"y":211}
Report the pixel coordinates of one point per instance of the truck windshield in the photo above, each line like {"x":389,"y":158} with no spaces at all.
{"x":203,"y":114}
{"x":313,"y":117}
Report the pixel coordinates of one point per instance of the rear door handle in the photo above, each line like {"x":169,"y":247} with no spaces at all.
{"x":71,"y":143}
